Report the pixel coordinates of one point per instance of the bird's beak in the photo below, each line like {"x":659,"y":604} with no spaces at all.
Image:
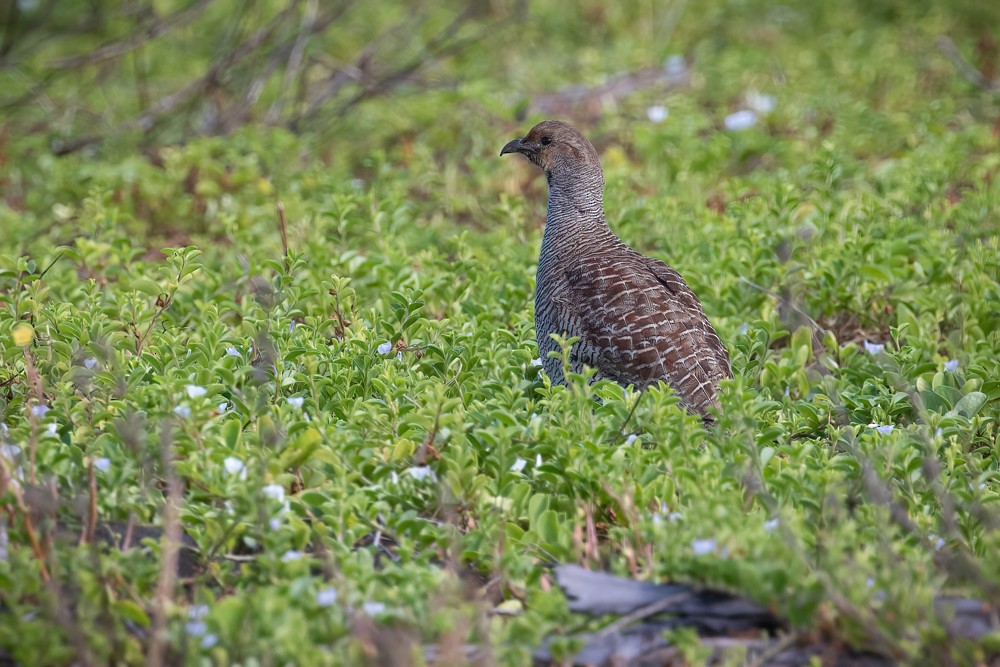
{"x":516,"y":146}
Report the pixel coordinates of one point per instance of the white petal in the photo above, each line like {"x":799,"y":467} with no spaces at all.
{"x":657,"y":113}
{"x":873,"y":348}
{"x":703,"y":547}
{"x":422,"y":473}
{"x":195,"y":391}
{"x":296,"y":401}
{"x":274,"y":492}
{"x":233,"y":465}
{"x":384,"y":348}
{"x":740,"y":120}
{"x":326,"y":597}
{"x":518,"y":464}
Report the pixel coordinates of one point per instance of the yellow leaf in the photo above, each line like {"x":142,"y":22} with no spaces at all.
{"x":23,"y":333}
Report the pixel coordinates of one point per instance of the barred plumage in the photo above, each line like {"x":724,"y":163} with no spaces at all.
{"x":638,"y":321}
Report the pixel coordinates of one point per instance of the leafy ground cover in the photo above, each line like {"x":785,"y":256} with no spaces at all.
{"x":340,"y":403}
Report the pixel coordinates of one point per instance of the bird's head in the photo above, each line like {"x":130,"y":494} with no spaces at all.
{"x":556,"y":147}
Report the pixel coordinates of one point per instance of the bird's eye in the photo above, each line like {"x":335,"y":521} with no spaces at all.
{"x":546,"y":141}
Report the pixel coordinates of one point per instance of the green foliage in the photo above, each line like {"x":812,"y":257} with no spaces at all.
{"x":377,"y":378}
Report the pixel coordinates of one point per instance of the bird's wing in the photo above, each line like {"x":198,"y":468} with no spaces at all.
{"x":641,"y":323}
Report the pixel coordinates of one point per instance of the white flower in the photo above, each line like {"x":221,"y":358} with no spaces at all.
{"x":90,"y":363}
{"x":195,"y":391}
{"x":760,"y":102}
{"x":771,"y":525}
{"x":196,"y":628}
{"x":274,"y":524}
{"x":632,"y":438}
{"x":222,"y":407}
{"x":103,"y":464}
{"x":208,"y":641}
{"x":743,"y":119}
{"x":536,"y":362}
{"x":951,"y":365}
{"x":39,"y":410}
{"x":384,"y":348}
{"x":182,"y":411}
{"x":232,"y":352}
{"x":873,"y":348}
{"x":291,"y":555}
{"x":235,"y":466}
{"x":422,"y":473}
{"x":674,"y":517}
{"x":326,"y":597}
{"x":296,"y":401}
{"x":538,"y":460}
{"x":399,"y":356}
{"x":744,"y":328}
{"x":674,"y":64}
{"x":939,"y":543}
{"x":885,"y":430}
{"x":52,"y":428}
{"x":196,"y":612}
{"x":657,"y":113}
{"x":703,"y":547}
{"x":373,"y":608}
{"x":518,"y":464}
{"x":394,"y":477}
{"x":274,"y":492}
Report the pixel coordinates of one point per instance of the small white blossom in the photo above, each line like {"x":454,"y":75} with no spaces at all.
{"x":951,"y":365}
{"x":518,"y":464}
{"x":235,"y":466}
{"x":52,"y":428}
{"x":182,"y":411}
{"x":399,"y":356}
{"x":232,"y":352}
{"x":291,"y":555}
{"x":326,"y":597}
{"x":196,"y":628}
{"x":222,"y":407}
{"x":657,"y":113}
{"x":274,"y":523}
{"x":674,"y":64}
{"x":874,"y":348}
{"x":771,"y":525}
{"x":393,"y":477}
{"x":195,"y":391}
{"x":384,"y":348}
{"x":538,"y":460}
{"x":674,"y":517}
{"x":296,"y":401}
{"x":196,"y":612}
{"x":744,"y":328}
{"x":39,"y":410}
{"x":373,"y":608}
{"x":90,"y":363}
{"x":761,"y":102}
{"x":703,"y":547}
{"x":536,"y":362}
{"x":885,"y":429}
{"x":274,"y":492}
{"x":743,"y":119}
{"x":422,"y":473}
{"x":939,"y":543}
{"x":208,"y":641}
{"x":631,"y":438}
{"x":938,"y":432}
{"x":103,"y":464}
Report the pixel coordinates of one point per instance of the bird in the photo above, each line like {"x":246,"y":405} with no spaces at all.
{"x":637,"y":321}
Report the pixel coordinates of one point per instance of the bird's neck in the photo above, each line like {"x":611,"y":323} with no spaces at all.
{"x":575,"y":218}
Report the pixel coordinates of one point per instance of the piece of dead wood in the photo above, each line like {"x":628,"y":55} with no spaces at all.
{"x":730,"y":626}
{"x":592,"y":99}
